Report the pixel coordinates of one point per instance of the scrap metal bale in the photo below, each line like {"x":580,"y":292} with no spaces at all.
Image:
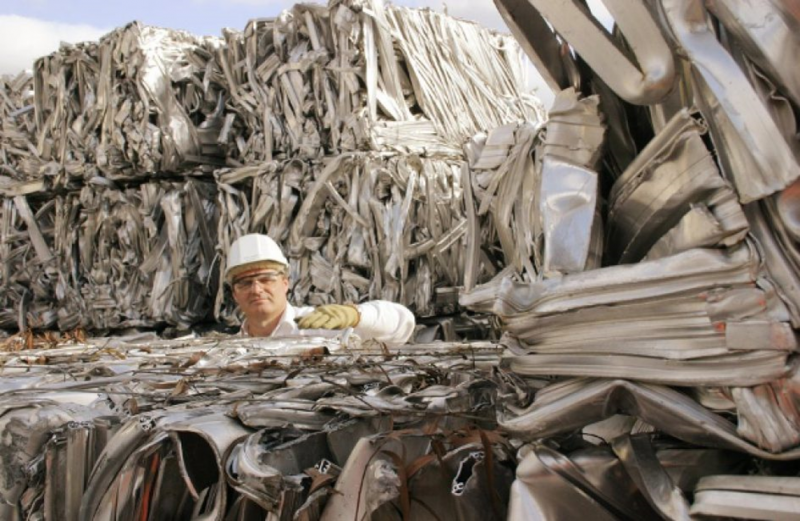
{"x":125,"y":106}
{"x":355,"y":227}
{"x":29,"y":266}
{"x":137,"y":257}
{"x":19,"y":157}
{"x":321,"y":80}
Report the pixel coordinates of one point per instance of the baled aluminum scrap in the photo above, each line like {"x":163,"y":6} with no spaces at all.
{"x":19,"y":157}
{"x":355,"y":227}
{"x":125,"y":106}
{"x":341,"y":129}
{"x":29,"y":271}
{"x":137,"y":257}
{"x":183,"y":433}
{"x":322,"y":80}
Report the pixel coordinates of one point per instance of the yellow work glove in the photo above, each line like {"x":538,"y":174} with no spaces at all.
{"x":330,"y":316}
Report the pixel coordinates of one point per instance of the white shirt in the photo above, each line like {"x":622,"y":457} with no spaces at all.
{"x":380,"y":320}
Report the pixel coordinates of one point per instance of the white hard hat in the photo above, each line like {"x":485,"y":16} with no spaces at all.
{"x":249,"y":250}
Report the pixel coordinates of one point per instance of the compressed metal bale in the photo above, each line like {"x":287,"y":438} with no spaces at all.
{"x":355,"y":227}
{"x":322,"y":80}
{"x":127,"y":105}
{"x":19,"y":158}
{"x":29,"y":266}
{"x":137,"y":257}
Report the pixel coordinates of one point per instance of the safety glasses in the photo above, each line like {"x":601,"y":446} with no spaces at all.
{"x":263,"y":279}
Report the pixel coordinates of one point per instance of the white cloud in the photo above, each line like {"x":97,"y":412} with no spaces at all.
{"x":23,"y":40}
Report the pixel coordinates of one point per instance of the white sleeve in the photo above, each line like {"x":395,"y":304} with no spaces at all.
{"x":387,"y":322}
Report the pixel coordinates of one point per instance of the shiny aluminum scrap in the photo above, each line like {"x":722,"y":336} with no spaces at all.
{"x":216,"y":427}
{"x":136,"y":257}
{"x":131,"y":105}
{"x":356,"y":75}
{"x":29,"y":270}
{"x":687,"y":332}
{"x":355,"y":227}
{"x":19,"y":157}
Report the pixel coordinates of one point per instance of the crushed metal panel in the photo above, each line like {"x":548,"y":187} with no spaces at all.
{"x":740,"y":122}
{"x":748,"y":497}
{"x":578,"y":402}
{"x":568,"y":201}
{"x":551,"y":486}
{"x":673,"y":172}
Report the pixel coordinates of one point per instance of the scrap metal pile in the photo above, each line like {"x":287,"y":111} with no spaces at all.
{"x":222,"y":428}
{"x":326,"y":128}
{"x":638,"y":250}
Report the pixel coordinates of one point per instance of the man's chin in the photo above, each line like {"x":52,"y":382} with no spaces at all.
{"x":263,"y":307}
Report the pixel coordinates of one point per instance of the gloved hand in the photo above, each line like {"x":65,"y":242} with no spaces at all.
{"x":330,"y":316}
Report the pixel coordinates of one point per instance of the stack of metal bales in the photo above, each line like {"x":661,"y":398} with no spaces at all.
{"x":348,"y":122}
{"x":325,"y":128}
{"x":108,"y":232}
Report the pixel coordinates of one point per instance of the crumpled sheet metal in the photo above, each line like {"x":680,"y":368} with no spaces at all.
{"x":184,"y":450}
{"x":569,"y":206}
{"x":689,"y":271}
{"x":646,"y":79}
{"x":19,"y":157}
{"x":137,"y":256}
{"x":591,"y":482}
{"x":27,"y":424}
{"x":674,"y":172}
{"x":95,"y":102}
{"x":570,"y":404}
{"x":747,"y":497}
{"x":701,"y":311}
{"x":758,"y":157}
{"x":779,"y":252}
{"x":535,"y":188}
{"x":639,"y":479}
{"x":355,"y":227}
{"x":408,"y":469}
{"x":741,"y":122}
{"x":186,"y":408}
{"x":769,"y":414}
{"x":767,"y":36}
{"x":568,"y":157}
{"x":323,"y":80}
{"x":29,"y":268}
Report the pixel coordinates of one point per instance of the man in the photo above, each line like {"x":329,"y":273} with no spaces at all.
{"x":258,"y":273}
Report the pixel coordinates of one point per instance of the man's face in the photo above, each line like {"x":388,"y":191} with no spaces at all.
{"x":261,"y":293}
